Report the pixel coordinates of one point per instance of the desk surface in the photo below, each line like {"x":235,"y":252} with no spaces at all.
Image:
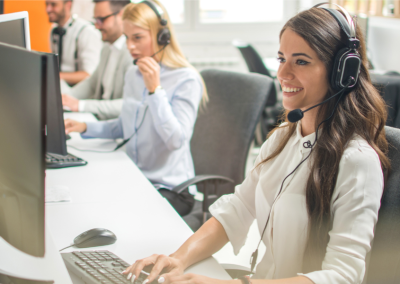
{"x":111,"y":192}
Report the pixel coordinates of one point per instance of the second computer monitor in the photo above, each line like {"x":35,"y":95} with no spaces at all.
{"x":56,"y":142}
{"x":14,"y":29}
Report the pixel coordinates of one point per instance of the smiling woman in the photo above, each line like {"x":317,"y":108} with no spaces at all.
{"x":315,"y":195}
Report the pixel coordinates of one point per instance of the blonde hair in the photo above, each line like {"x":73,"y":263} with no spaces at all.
{"x":143,"y":16}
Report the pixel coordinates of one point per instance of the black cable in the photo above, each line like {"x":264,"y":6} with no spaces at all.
{"x":119,"y":145}
{"x":66,"y":247}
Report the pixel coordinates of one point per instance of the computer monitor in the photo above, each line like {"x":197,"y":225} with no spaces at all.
{"x":14,"y":29}
{"x":22,"y":148}
{"x":57,"y":155}
{"x":56,"y":140}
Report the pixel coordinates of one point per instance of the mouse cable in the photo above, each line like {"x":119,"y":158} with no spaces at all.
{"x":66,"y":247}
{"x":120,"y":144}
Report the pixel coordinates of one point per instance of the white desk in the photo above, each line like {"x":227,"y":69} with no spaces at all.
{"x":111,"y":192}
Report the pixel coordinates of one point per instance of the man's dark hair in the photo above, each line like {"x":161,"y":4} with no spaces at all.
{"x":115,"y":5}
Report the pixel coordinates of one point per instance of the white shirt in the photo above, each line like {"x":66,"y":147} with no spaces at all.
{"x":89,"y":46}
{"x":354,"y":206}
{"x":111,"y":66}
{"x":161,"y":145}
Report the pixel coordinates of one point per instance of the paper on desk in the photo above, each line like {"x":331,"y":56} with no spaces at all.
{"x":57,"y":193}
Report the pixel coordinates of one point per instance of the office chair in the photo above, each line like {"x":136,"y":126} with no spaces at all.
{"x":389,"y":88}
{"x":222,"y":135}
{"x":384,"y":262}
{"x":255,"y":64}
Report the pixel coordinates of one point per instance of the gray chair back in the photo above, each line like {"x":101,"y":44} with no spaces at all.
{"x":256,"y":64}
{"x":384,"y":263}
{"x":225,"y":128}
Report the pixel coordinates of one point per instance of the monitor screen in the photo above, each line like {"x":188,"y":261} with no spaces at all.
{"x":13,"y":32}
{"x":22,"y":148}
{"x":14,"y":29}
{"x":56,"y":142}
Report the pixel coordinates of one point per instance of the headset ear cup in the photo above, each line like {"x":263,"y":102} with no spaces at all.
{"x":346,"y":64}
{"x":336,"y":71}
{"x":163,"y":37}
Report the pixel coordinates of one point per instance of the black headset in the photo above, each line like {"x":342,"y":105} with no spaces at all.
{"x":347,"y":61}
{"x":164,"y":35}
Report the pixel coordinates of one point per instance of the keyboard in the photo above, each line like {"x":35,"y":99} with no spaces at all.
{"x":99,"y":267}
{"x":55,"y":161}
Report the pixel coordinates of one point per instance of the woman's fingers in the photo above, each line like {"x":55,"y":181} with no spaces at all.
{"x":148,"y":64}
{"x":162,"y":262}
{"x":133,"y":271}
{"x":69,"y":125}
{"x":149,"y":61}
{"x":74,"y":126}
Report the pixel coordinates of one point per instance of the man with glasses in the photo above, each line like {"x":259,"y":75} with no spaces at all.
{"x":101,"y":93}
{"x":76,"y":41}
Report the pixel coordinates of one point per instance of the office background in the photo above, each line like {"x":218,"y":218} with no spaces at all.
{"x":206,"y":28}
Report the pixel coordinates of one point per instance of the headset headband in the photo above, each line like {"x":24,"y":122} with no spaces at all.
{"x":349,"y":19}
{"x":157,"y":10}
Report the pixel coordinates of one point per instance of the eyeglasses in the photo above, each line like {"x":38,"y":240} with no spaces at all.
{"x":100,"y":20}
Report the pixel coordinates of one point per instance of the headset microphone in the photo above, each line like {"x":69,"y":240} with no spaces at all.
{"x":297,"y":114}
{"x":137,"y":59}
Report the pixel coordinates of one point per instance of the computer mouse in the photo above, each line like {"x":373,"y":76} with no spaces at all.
{"x":94,"y":238}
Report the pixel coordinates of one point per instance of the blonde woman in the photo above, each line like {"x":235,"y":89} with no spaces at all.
{"x":161,"y":97}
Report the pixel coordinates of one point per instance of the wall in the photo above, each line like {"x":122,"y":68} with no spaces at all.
{"x":384,"y":43}
{"x":38,"y":22}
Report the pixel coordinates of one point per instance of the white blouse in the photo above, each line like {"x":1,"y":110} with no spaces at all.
{"x":355,"y":205}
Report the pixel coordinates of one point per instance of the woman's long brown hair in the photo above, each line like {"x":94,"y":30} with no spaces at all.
{"x":361,"y":111}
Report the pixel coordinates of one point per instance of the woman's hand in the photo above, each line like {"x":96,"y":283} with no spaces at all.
{"x":161,"y":263}
{"x":74,"y":126}
{"x":70,"y":102}
{"x":150,"y":71}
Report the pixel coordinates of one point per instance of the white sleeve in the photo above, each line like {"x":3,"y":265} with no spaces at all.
{"x":174,"y":121}
{"x":356,"y":202}
{"x":89,"y":49}
{"x":236,"y":212}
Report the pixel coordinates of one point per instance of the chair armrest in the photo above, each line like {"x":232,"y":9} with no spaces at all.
{"x":200,"y":178}
{"x":235,"y":270}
